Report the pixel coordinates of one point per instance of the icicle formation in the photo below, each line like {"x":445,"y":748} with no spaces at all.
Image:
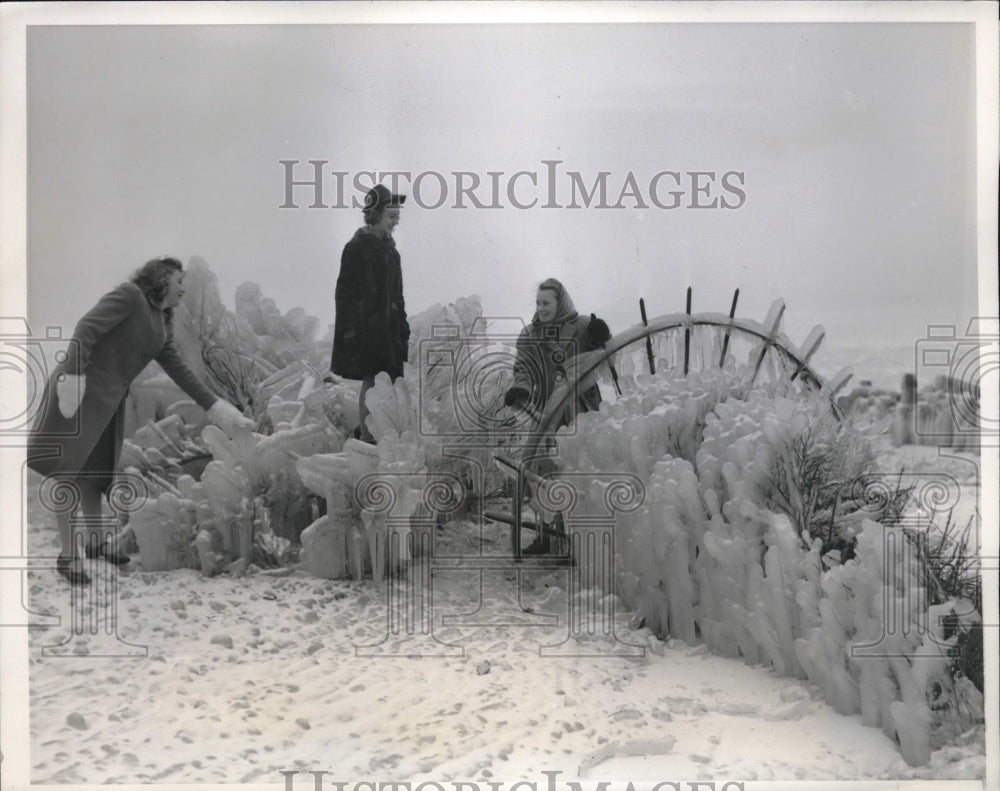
{"x":371,"y":491}
{"x":459,"y":368}
{"x":664,"y":414}
{"x":454,"y":381}
{"x":732,"y":546}
{"x":250,"y":484}
{"x":705,"y":352}
{"x":273,"y":478}
{"x":249,"y":499}
{"x":235,"y":352}
{"x":944,"y":413}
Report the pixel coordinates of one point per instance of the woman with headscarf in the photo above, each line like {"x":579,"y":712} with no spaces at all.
{"x":78,"y":435}
{"x":557,"y":333}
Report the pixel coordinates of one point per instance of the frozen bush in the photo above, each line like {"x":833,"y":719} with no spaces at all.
{"x":749,"y":498}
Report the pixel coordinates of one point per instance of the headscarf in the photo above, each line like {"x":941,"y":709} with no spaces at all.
{"x":565,"y":309}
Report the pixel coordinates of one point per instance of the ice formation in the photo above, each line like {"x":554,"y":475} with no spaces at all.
{"x":720,"y":551}
{"x":258,"y":488}
{"x":243,"y":496}
{"x":942,"y":413}
{"x":715,"y":553}
{"x":370,"y":491}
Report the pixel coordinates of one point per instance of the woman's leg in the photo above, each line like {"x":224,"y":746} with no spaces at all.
{"x":91,"y":513}
{"x":366,"y":385}
{"x":70,"y":562}
{"x":100,"y":539}
{"x":64,"y":521}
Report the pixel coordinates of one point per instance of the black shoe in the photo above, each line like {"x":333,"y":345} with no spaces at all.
{"x":109,"y":554}
{"x":540,"y":546}
{"x":64,"y":565}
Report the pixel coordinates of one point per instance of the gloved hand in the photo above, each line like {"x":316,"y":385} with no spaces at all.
{"x":516,"y":396}
{"x":597,"y":332}
{"x":227,"y":417}
{"x":69,"y":392}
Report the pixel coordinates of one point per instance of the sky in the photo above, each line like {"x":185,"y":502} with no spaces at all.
{"x":854,"y":145}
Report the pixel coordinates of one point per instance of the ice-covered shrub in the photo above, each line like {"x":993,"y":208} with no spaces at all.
{"x":351,"y":538}
{"x":942,"y":413}
{"x":665,"y":415}
{"x":434,"y":419}
{"x":816,"y":463}
{"x":460,"y":366}
{"x":165,"y":529}
{"x":749,"y":495}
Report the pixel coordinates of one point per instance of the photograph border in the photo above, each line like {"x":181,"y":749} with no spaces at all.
{"x":16,"y":18}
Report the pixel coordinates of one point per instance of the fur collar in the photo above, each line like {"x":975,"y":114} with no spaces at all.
{"x":368,"y":231}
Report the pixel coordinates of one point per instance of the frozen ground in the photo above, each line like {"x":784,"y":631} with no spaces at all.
{"x":237,"y":680}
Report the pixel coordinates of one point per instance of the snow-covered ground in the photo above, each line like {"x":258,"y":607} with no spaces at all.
{"x":945,"y":481}
{"x":239,"y":679}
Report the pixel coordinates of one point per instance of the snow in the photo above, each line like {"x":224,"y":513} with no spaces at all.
{"x":493,"y":671}
{"x":240,"y":679}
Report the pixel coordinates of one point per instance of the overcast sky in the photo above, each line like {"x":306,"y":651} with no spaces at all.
{"x":855,"y":144}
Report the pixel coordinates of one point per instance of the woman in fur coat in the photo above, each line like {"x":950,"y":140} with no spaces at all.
{"x":78,"y":435}
{"x":371,"y":333}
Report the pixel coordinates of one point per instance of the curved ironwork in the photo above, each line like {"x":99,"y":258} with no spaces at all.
{"x":589,"y":362}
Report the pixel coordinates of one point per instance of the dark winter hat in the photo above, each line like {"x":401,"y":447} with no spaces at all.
{"x":379,"y":196}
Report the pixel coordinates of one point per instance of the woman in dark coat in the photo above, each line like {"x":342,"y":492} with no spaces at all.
{"x":371,"y":333}
{"x":79,"y":432}
{"x":557,"y":333}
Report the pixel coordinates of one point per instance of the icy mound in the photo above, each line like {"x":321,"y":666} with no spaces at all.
{"x":371,"y":493}
{"x":233,"y":352}
{"x":749,"y":540}
{"x":376,"y":518}
{"x":261,"y":489}
{"x":944,"y":413}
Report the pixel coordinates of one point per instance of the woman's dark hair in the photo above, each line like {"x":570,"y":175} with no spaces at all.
{"x":374,"y":216}
{"x":153,"y":277}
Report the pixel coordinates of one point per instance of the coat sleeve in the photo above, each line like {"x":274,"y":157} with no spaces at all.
{"x":350,"y":296}
{"x":399,"y":324}
{"x":582,"y":336}
{"x":406,"y":321}
{"x":171,"y":361}
{"x":344,"y":295}
{"x":110,"y":311}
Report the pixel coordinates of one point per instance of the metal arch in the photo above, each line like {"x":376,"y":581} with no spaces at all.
{"x":554,"y":407}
